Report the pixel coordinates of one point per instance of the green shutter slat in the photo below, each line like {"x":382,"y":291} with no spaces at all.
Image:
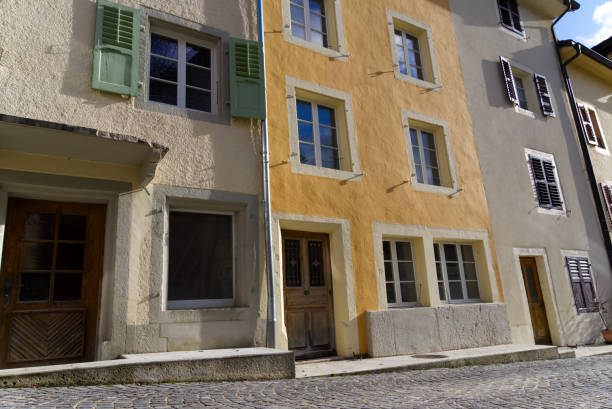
{"x":116,"y":43}
{"x":247,"y":85}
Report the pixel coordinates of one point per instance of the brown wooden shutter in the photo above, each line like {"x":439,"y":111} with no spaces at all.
{"x":551,"y":181}
{"x":581,"y":281}
{"x":544,"y":95}
{"x":545,"y":181}
{"x":606,"y":192}
{"x":506,"y":69}
{"x":587,"y":125}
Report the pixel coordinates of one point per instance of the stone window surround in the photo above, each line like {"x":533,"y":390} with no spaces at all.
{"x":550,"y":157}
{"x":335,"y":28}
{"x":422,"y":239}
{"x":446,"y":161}
{"x":504,"y":29}
{"x":428,"y":56}
{"x":245,"y":208}
{"x":168,"y":24}
{"x":346,"y":130}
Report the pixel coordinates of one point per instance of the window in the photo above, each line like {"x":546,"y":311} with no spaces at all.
{"x":425,"y":157}
{"x":524,"y":86}
{"x":606,"y":192}
{"x":546,"y":184}
{"x":412,"y":51}
{"x":181,"y":72}
{"x":590,"y":125}
{"x":408,"y":54}
{"x":456,"y":271}
{"x":201,"y":260}
{"x":509,"y":15}
{"x":400,"y":277}
{"x":308,"y":21}
{"x":581,"y":281}
{"x":318,"y":135}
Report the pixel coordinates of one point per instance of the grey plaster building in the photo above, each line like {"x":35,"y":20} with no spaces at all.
{"x":548,"y":240}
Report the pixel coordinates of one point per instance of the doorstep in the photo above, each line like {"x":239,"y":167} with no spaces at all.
{"x":446,"y":359}
{"x":187,"y":366}
{"x":584,"y":351}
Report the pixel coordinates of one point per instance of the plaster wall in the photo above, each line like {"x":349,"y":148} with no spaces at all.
{"x":45,"y":74}
{"x":502,"y":135}
{"x":383,"y":193}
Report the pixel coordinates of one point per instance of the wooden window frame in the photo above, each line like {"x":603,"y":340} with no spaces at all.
{"x":396,"y":280}
{"x":442,"y":263}
{"x":201,"y":303}
{"x":508,"y":8}
{"x":422,"y":149}
{"x":408,"y":52}
{"x":316,"y":133}
{"x":181,"y":83}
{"x":307,"y":25}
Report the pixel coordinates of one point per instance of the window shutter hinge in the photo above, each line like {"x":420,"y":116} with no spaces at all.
{"x":140,"y":84}
{"x":142,"y":28}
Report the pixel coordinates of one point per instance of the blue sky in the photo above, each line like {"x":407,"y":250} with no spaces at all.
{"x":590,"y":25}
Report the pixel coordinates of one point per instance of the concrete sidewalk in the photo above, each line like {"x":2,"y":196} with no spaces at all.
{"x":447,"y":359}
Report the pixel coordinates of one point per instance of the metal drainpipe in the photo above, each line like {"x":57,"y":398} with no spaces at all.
{"x":265,"y":155}
{"x":603,"y":223}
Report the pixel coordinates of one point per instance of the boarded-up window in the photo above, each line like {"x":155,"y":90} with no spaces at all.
{"x":581,"y":281}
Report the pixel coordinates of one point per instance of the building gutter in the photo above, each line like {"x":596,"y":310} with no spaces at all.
{"x":599,"y":207}
{"x":265,"y":155}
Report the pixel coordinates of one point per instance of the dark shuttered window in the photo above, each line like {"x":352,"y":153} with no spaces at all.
{"x":581,"y":281}
{"x":606,"y":192}
{"x":544,"y":95}
{"x":545,"y":181}
{"x":509,"y":15}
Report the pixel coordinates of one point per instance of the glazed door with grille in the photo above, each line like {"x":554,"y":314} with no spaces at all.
{"x":49,"y":282}
{"x":308,"y":294}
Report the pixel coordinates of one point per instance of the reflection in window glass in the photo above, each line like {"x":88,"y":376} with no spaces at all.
{"x":400,"y":276}
{"x":456,"y":272}
{"x":409,"y":54}
{"x":425,"y":157}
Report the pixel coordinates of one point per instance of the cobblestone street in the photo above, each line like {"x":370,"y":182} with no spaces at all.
{"x":568,"y":383}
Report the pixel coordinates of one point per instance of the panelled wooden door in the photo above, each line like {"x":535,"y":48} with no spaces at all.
{"x":308,"y":294}
{"x":50,"y":282}
{"x":537,"y":309}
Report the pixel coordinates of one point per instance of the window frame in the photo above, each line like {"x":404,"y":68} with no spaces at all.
{"x":550,"y":158}
{"x":181,"y":83}
{"x":422,"y":150}
{"x":396,"y":280}
{"x":307,"y":25}
{"x":405,"y":36}
{"x":460,"y":263}
{"x":510,"y":28}
{"x":316,"y":133}
{"x":174,"y":305}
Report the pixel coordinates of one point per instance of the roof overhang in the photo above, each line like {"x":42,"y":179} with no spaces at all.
{"x":53,"y":139}
{"x":588,"y":60}
{"x":551,"y":8}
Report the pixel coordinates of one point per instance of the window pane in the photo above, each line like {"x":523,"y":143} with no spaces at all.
{"x":198,"y":77}
{"x":433,"y":176}
{"x":298,"y":2}
{"x":307,"y":155}
{"x":390,"y":293}
{"x":318,"y":38}
{"x":70,"y":256}
{"x":304,"y":112}
{"x":456,"y":291}
{"x":388,"y":271}
{"x":297,"y":14}
{"x":428,"y":140}
{"x":387,"y":250}
{"x":403,"y":251}
{"x":293,"y":274}
{"x":164,"y":69}
{"x":398,"y":37}
{"x":298,"y":31}
{"x":162,"y":92}
{"x":416,"y":73}
{"x":413,"y":58}
{"x":196,"y":99}
{"x":439,"y":271}
{"x":431,"y":158}
{"x":450,"y":252}
{"x":67,"y":286}
{"x":305,"y":132}
{"x":165,"y":46}
{"x":441,"y":291}
{"x":414,"y":138}
{"x":329,"y":158}
{"x":470,"y":271}
{"x":401,"y":55}
{"x":412,"y":43}
{"x":72,"y":227}
{"x":37,"y":256}
{"x":40,"y":226}
{"x":467,"y":252}
{"x":317,"y":23}
{"x":472,"y":289}
{"x":452,"y":271}
{"x":201,"y":256}
{"x":198,"y":55}
{"x":34,"y":287}
{"x":419,"y":173}
{"x":326,"y":116}
{"x":315,"y":263}
{"x":328,"y":136}
{"x":402,"y":67}
{"x":416,"y":154}
{"x":317,"y":6}
{"x":437,"y":251}
{"x":406,"y":271}
{"x":408,"y":291}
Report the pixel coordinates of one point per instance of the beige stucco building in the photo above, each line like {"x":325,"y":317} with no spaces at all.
{"x":550,"y":246}
{"x":130,"y":223}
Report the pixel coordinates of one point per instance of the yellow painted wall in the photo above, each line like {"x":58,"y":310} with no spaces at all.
{"x":378,"y":100}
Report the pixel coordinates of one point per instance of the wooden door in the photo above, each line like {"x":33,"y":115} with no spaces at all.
{"x":49,"y":282}
{"x":308,"y":294}
{"x":537,"y":310}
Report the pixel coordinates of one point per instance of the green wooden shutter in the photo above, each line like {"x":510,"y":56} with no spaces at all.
{"x":247,"y":89}
{"x":116,"y":42}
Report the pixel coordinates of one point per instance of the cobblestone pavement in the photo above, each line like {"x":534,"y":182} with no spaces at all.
{"x":568,"y":383}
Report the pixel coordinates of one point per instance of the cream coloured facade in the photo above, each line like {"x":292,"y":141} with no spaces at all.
{"x":161,"y":168}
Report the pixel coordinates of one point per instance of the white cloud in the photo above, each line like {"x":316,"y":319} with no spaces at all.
{"x":602,"y":16}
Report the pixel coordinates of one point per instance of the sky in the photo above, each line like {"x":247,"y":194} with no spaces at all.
{"x":590,"y":25}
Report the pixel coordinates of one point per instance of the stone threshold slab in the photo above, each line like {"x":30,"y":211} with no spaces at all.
{"x":473,"y":356}
{"x":184,"y":366}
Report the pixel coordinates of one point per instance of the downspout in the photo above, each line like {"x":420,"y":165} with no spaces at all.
{"x":265,"y":156}
{"x":603,"y":223}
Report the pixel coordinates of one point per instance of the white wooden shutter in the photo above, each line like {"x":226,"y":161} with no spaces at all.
{"x":544,"y":95}
{"x":508,"y":80}
{"x":587,"y":124}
